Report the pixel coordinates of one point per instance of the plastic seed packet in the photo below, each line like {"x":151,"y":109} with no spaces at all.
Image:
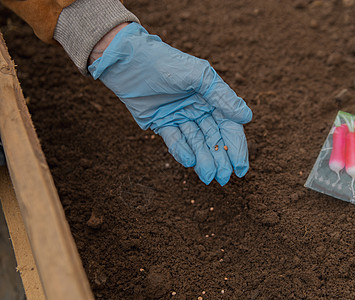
{"x":333,"y":173}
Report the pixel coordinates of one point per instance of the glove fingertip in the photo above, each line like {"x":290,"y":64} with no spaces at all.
{"x":223,"y":180}
{"x":243,"y":116}
{"x":183,"y":154}
{"x":206,"y":176}
{"x":240,"y":171}
{"x":206,"y":180}
{"x":248,"y":116}
{"x":188,"y":162}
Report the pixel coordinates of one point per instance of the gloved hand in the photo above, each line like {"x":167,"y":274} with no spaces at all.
{"x":181,"y":98}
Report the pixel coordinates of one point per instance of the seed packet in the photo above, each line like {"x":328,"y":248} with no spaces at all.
{"x":333,"y":173}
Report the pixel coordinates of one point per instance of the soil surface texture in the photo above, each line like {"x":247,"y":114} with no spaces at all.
{"x":146,"y":227}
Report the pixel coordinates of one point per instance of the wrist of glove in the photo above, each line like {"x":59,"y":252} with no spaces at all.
{"x":181,"y":98}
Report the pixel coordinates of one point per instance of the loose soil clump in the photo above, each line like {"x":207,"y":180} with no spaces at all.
{"x":143,"y":224}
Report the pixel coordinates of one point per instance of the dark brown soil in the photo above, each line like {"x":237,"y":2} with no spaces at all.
{"x":144,"y":225}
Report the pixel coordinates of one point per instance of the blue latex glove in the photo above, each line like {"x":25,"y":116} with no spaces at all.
{"x":181,"y":98}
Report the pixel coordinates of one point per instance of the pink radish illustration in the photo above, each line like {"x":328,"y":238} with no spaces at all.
{"x":350,"y":148}
{"x":337,"y":157}
{"x":350,"y":157}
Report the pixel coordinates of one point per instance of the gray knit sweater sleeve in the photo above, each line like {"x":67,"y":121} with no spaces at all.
{"x":83,"y":23}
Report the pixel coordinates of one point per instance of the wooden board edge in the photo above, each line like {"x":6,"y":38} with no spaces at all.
{"x":55,"y":252}
{"x":25,"y":262}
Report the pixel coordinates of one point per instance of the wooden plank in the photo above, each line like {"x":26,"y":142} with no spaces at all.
{"x":59,"y":265}
{"x":23,"y":253}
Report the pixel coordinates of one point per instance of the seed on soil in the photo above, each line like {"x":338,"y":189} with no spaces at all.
{"x":192,"y":201}
{"x":222,"y":291}
{"x":207,"y":236}
{"x":222,"y":250}
{"x":212,"y":234}
{"x":211,"y":208}
{"x":167,"y":165}
{"x":199,"y":298}
{"x":173,"y":293}
{"x":216,"y":148}
{"x":141,"y":269}
{"x":225,"y":148}
{"x":221,"y":260}
{"x":152,"y":136}
{"x":225,"y":278}
{"x":203,"y":292}
{"x":184,"y":182}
